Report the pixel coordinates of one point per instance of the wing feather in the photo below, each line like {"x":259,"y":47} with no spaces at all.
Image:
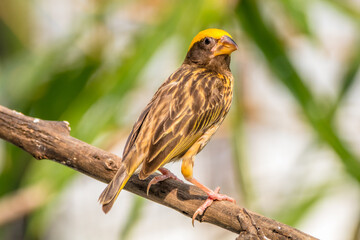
{"x":181,"y":111}
{"x":136,"y":130}
{"x":186,"y":123}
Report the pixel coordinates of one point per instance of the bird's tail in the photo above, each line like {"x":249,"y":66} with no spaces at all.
{"x":110,"y":193}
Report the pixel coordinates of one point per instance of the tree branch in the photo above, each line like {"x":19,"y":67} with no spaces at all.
{"x":52,"y":140}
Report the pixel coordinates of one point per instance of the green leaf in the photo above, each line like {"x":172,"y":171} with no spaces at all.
{"x":265,"y":38}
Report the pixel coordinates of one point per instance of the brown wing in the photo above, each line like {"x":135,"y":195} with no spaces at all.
{"x":183,"y":110}
{"x":165,"y":89}
{"x":136,"y":129}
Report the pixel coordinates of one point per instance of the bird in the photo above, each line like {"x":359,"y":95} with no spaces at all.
{"x":180,"y":119}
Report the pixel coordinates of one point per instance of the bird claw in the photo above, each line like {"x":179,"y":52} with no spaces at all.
{"x":212,"y":196}
{"x":220,"y":197}
{"x":165,"y":175}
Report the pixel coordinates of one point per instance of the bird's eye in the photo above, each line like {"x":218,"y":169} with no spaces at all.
{"x":207,"y":41}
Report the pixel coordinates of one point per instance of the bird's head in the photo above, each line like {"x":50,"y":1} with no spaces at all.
{"x":211,"y":48}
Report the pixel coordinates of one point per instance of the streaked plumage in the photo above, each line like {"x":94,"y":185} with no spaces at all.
{"x":183,"y":114}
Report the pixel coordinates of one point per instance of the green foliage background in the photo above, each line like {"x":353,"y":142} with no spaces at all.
{"x":79,"y":81}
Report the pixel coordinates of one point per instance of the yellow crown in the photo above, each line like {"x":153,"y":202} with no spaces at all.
{"x":211,"y":32}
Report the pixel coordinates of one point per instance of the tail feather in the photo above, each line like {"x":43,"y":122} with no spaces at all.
{"x":111,"y":192}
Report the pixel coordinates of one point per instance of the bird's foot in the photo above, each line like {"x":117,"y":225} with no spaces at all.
{"x":165,"y":175}
{"x":212,"y":195}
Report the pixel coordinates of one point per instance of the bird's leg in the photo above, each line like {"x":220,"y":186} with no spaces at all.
{"x":212,"y":195}
{"x":186,"y":170}
{"x":165,"y":175}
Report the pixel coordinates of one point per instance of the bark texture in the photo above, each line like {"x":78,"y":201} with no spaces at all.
{"x":51,"y":140}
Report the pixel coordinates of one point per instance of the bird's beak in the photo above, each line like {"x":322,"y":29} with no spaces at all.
{"x":225,"y":45}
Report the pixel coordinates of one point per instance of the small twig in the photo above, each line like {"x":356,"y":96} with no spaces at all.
{"x":52,"y":140}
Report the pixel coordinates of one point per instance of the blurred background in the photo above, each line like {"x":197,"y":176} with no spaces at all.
{"x":289,"y":148}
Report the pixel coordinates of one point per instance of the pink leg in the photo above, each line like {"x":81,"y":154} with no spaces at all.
{"x":165,"y":175}
{"x":212,"y":195}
